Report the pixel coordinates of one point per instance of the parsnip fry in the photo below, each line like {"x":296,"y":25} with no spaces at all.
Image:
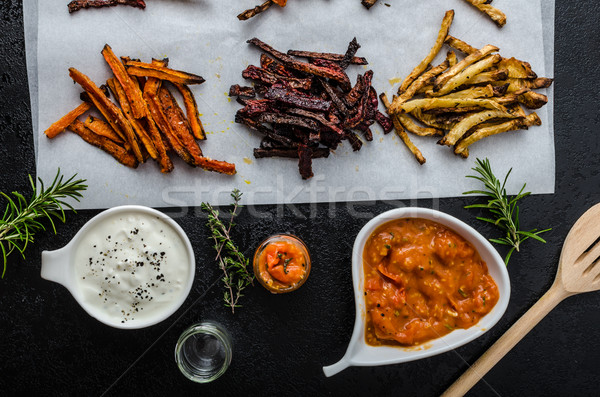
{"x":489,"y":130}
{"x":467,"y":74}
{"x":488,"y":77}
{"x":446,"y":23}
{"x":179,"y":125}
{"x":517,"y":69}
{"x":460,"y":45}
{"x":471,"y":121}
{"x":402,"y":133}
{"x":139,"y":129}
{"x":530,"y":84}
{"x":432,"y":120}
{"x":468,"y":109}
{"x":466,"y":62}
{"x":191,"y":108}
{"x":415,"y":128}
{"x":419,"y":83}
{"x":109,"y":110}
{"x":102,"y":128}
{"x":110,"y":147}
{"x":431,"y":103}
{"x":131,"y":89}
{"x":143,"y":69}
{"x":533,"y":100}
{"x":62,"y":124}
{"x":473,"y":92}
{"x":495,"y":14}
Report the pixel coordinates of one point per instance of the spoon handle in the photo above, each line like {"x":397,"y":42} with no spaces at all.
{"x":495,"y":353}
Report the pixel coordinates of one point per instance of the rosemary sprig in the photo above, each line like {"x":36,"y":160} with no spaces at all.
{"x":504,"y":209}
{"x":21,"y":219}
{"x":232,"y":262}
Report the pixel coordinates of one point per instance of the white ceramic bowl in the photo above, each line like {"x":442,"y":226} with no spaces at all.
{"x":361,"y":354}
{"x":59,"y":266}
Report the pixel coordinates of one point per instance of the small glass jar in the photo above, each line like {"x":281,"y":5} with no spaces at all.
{"x":203,"y":352}
{"x":282,"y":263}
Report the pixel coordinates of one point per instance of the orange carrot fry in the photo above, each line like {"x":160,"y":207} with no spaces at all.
{"x":119,"y":93}
{"x":191,"y":108}
{"x":111,"y":112}
{"x":179,"y":124}
{"x":110,"y":147}
{"x":132,"y":90}
{"x":100,"y":127}
{"x":143,"y":69}
{"x":67,"y":119}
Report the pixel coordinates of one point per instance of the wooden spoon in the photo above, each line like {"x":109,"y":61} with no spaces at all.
{"x":578,"y":271}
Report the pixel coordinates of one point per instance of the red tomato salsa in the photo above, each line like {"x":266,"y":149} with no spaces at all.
{"x":422,"y":280}
{"x":282,"y":263}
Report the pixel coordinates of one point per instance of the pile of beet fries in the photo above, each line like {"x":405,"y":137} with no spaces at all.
{"x":308,"y":108}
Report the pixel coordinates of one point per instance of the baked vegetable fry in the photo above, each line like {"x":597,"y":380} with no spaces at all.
{"x":467,"y":61}
{"x":489,"y":130}
{"x":459,"y":45}
{"x":130,"y":88}
{"x":62,"y":124}
{"x":121,"y":96}
{"x":143,"y":69}
{"x":415,"y":128}
{"x":446,"y":22}
{"x":431,"y":103}
{"x":467,"y":74}
{"x":110,"y":147}
{"x":102,"y":128}
{"x":109,"y":110}
{"x":420,"y":82}
{"x":495,"y":14}
{"x":402,"y":133}
{"x":471,"y":121}
{"x":191,"y":108}
{"x":179,"y":125}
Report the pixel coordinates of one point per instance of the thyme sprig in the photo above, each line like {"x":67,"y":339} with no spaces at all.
{"x":232,"y":262}
{"x":22,"y":217}
{"x":504,"y":209}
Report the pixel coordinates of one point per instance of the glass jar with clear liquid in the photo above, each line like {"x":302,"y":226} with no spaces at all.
{"x":203,"y":352}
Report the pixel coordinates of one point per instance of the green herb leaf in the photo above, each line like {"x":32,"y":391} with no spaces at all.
{"x":285,"y":265}
{"x":462,"y":293}
{"x":232,"y":261}
{"x":504,"y":209}
{"x":21,"y":217}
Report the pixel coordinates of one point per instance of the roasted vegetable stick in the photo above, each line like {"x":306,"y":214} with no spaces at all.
{"x":191,"y":108}
{"x":489,"y":130}
{"x":141,"y":132}
{"x":328,"y":56}
{"x":143,"y":69}
{"x":515,"y":85}
{"x":468,"y":109}
{"x":471,"y":121}
{"x":468,"y":74}
{"x":77,"y":5}
{"x":110,"y":147}
{"x":102,"y":128}
{"x":416,"y":129}
{"x":67,"y":119}
{"x":495,"y":14}
{"x":290,"y":62}
{"x":446,"y":22}
{"x":431,"y":103}
{"x":517,"y":69}
{"x":109,"y":110}
{"x":402,"y":133}
{"x":420,"y":82}
{"x":130,"y":88}
{"x":460,"y":45}
{"x":255,"y":11}
{"x":178,"y":122}
{"x":466,"y":62}
{"x":488,"y":77}
{"x":533,"y":100}
{"x":432,"y":120}
{"x":473,"y":92}
{"x":222,"y":167}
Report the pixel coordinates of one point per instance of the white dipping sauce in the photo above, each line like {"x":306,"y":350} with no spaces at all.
{"x":131,"y":266}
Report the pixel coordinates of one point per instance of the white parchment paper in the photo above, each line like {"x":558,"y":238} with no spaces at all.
{"x":204,"y":37}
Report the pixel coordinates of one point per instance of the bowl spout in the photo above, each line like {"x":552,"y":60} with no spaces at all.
{"x":336,"y":368}
{"x":55,"y":266}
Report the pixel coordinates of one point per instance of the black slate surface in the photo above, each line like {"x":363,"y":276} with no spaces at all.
{"x":50,"y":346}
